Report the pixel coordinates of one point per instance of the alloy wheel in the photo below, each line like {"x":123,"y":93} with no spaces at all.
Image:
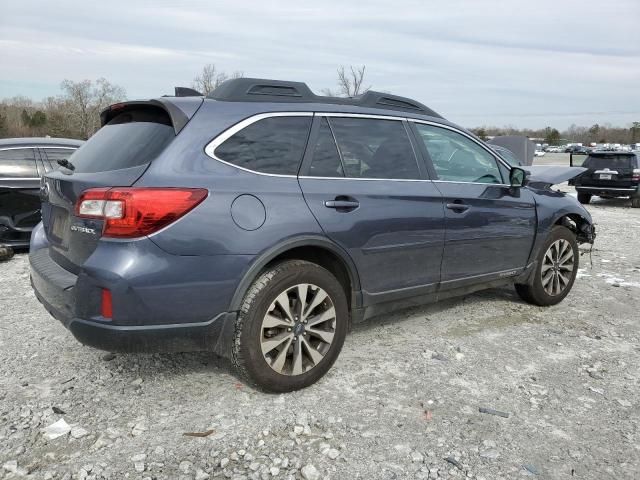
{"x":298,"y":329}
{"x":557,"y":267}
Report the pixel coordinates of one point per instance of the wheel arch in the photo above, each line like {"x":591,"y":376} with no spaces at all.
{"x":316,"y":249}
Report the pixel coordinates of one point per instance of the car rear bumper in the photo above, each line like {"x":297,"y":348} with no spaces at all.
{"x":609,"y":191}
{"x":206,"y":336}
{"x":58,"y":291}
{"x":14,"y":238}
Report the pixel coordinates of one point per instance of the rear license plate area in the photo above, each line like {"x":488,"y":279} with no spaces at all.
{"x":605,"y":176}
{"x":60,"y":225}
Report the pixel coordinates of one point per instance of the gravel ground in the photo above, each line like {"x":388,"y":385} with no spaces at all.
{"x":402,"y":401}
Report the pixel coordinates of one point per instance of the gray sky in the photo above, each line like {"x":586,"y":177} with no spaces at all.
{"x":524,"y":63}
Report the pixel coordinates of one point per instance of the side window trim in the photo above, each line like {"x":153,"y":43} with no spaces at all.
{"x":210,"y":148}
{"x":499,"y":161}
{"x":307,"y":159}
{"x":41,"y":166}
{"x":335,"y":141}
{"x":420,"y":151}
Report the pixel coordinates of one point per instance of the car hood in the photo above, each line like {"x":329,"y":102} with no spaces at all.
{"x":542,"y":175}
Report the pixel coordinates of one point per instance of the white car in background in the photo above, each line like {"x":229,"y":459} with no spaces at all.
{"x":538,"y":153}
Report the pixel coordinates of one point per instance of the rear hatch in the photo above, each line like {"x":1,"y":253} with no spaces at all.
{"x":609,"y":169}
{"x":132,"y":136}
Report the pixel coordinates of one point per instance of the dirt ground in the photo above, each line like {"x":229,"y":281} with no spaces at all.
{"x":402,"y":401}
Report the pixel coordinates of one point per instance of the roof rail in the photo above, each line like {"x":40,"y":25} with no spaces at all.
{"x":262,"y":90}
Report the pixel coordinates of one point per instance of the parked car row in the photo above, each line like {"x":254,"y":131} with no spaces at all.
{"x":553,"y":149}
{"x":260,"y":222}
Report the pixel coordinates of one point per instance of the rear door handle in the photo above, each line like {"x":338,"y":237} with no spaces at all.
{"x":341,"y":204}
{"x":458,"y":207}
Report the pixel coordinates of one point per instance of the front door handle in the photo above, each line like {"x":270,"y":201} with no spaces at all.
{"x":458,"y":207}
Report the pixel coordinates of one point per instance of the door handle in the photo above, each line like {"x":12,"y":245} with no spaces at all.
{"x":458,"y":207}
{"x":344,"y":204}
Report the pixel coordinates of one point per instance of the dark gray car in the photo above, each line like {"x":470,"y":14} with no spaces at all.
{"x":262,"y":221}
{"x":23,"y":161}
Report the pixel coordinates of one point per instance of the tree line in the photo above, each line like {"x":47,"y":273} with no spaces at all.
{"x":74,"y":113}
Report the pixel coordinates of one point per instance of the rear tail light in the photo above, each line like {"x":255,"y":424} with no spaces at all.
{"x":635,"y":176}
{"x":136,"y":212}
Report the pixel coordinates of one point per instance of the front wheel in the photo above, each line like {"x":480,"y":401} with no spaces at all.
{"x":291,"y":327}
{"x":556,"y":269}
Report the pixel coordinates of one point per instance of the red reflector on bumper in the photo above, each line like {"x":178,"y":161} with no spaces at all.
{"x":107,"y":306}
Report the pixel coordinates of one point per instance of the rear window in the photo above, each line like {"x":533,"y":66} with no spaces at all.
{"x":132,"y":138}
{"x":273,"y":145}
{"x":18,"y":163}
{"x":609,"y":161}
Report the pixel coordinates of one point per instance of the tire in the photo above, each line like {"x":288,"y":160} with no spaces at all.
{"x":277,"y":354}
{"x":584,"y":198}
{"x":635,"y":202}
{"x":538,"y":292}
{"x":6,"y":253}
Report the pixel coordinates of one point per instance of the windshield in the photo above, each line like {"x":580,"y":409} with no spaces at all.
{"x":132,"y":138}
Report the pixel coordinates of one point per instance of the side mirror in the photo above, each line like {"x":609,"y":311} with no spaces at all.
{"x":517,"y":177}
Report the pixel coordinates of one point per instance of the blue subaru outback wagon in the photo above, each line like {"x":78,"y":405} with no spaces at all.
{"x":261,"y":221}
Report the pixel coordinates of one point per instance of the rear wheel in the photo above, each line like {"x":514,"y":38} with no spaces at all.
{"x":291,"y":327}
{"x":556,"y":269}
{"x":584,"y":198}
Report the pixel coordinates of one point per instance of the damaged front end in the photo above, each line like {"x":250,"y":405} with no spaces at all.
{"x":576,"y":218}
{"x":584,"y":230}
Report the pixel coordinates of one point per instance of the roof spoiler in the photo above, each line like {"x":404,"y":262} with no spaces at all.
{"x":180,"y":110}
{"x":263,"y":90}
{"x":187,"y":92}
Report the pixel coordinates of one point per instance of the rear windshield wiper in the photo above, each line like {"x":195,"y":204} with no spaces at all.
{"x":66,"y":163}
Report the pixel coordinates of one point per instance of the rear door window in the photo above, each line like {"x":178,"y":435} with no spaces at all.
{"x":130,"y":139}
{"x":372,"y":148}
{"x":272,"y":145}
{"x":18,"y":163}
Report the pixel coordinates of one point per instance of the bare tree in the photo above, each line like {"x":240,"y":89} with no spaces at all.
{"x":351,"y":82}
{"x":209,"y":79}
{"x":84,"y":100}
